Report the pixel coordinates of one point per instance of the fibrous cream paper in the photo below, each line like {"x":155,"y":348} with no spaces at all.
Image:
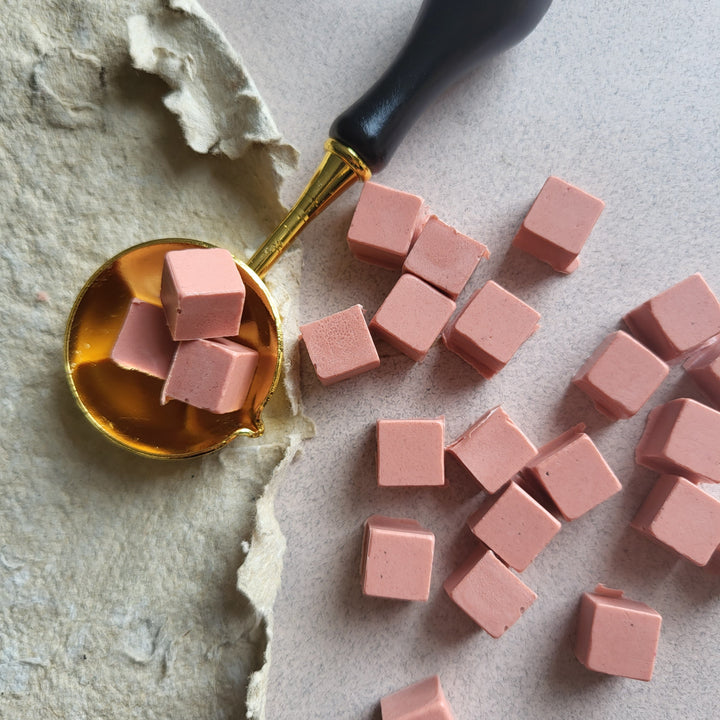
{"x":118,"y":575}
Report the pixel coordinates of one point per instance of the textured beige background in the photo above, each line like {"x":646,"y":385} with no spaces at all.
{"x":118,"y":575}
{"x":621,"y":99}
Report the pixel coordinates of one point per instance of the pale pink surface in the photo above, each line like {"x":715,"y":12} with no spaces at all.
{"x":493,"y":449}
{"x":203,"y":293}
{"x":213,"y":375}
{"x":444,"y":257}
{"x":621,"y":375}
{"x":682,"y":516}
{"x":682,"y":437}
{"x":144,"y":342}
{"x":489,"y":592}
{"x":490,"y":328}
{"x":704,"y":368}
{"x":412,"y":316}
{"x":424,"y":700}
{"x":617,"y":636}
{"x":340,"y":345}
{"x":574,"y":474}
{"x":679,"y":320}
{"x":384,"y":225}
{"x":514,"y":526}
{"x":558,"y":224}
{"x":397,"y":557}
{"x":410,"y":452}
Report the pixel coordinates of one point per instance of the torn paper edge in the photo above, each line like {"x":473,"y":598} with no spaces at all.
{"x":217,"y":104}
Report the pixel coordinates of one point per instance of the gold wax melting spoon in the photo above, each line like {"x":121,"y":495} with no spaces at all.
{"x":448,"y":39}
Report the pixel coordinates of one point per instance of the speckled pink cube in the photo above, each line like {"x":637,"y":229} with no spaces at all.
{"x":340,"y":345}
{"x":410,"y":452}
{"x":574,"y":473}
{"x":704,"y":368}
{"x":203,"y":293}
{"x":397,"y":558}
{"x":491,"y":328}
{"x":681,"y":516}
{"x":144,"y":342}
{"x":678,"y":321}
{"x":682,"y":437}
{"x":424,"y":700}
{"x":621,"y":375}
{"x":514,"y":526}
{"x":213,"y":375}
{"x":617,"y":636}
{"x":489,"y":592}
{"x":444,"y":257}
{"x":558,"y":224}
{"x":385,"y":224}
{"x":493,"y":449}
{"x":412,"y":316}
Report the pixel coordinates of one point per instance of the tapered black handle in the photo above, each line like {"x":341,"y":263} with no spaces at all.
{"x":449,"y":38}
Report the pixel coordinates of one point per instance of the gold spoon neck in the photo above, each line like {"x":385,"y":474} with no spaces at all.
{"x":338,"y":170}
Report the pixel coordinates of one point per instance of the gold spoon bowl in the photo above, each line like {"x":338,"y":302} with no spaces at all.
{"x":125,"y":404}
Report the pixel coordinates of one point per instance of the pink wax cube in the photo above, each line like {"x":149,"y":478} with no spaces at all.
{"x":558,"y":224}
{"x":679,"y":320}
{"x":617,"y":636}
{"x":682,"y":437}
{"x":490,"y":328}
{"x":412,"y":316}
{"x":620,"y":376}
{"x":144,"y":341}
{"x":681,"y":516}
{"x":704,"y":368}
{"x":514,"y":526}
{"x":384,"y":225}
{"x":203,"y":293}
{"x":489,"y":592}
{"x":493,"y":449}
{"x":424,"y":700}
{"x":444,"y":257}
{"x":213,"y":375}
{"x":410,"y":452}
{"x":397,"y":558}
{"x":574,"y":473}
{"x":340,"y":345}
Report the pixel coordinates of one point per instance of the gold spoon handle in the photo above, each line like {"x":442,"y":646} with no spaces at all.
{"x":339,"y":169}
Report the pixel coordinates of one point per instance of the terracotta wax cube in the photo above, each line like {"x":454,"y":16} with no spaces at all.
{"x":424,"y":700}
{"x":203,"y":293}
{"x":681,"y":516}
{"x":397,"y":558}
{"x":621,"y":375}
{"x":444,"y":257}
{"x":617,"y":636}
{"x":682,"y":437}
{"x":493,"y":449}
{"x":704,"y":368}
{"x":678,"y":321}
{"x":340,"y":345}
{"x":410,"y":452}
{"x":574,"y":473}
{"x":385,"y":224}
{"x":558,"y":224}
{"x":489,"y":592}
{"x":144,"y":342}
{"x":213,"y":375}
{"x":412,"y":316}
{"x":490,"y":329}
{"x":514,"y":526}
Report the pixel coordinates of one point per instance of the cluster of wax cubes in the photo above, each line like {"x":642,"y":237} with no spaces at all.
{"x":526,"y":490}
{"x":184,"y":339}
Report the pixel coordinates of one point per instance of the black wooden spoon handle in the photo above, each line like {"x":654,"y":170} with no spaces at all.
{"x":449,"y":38}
